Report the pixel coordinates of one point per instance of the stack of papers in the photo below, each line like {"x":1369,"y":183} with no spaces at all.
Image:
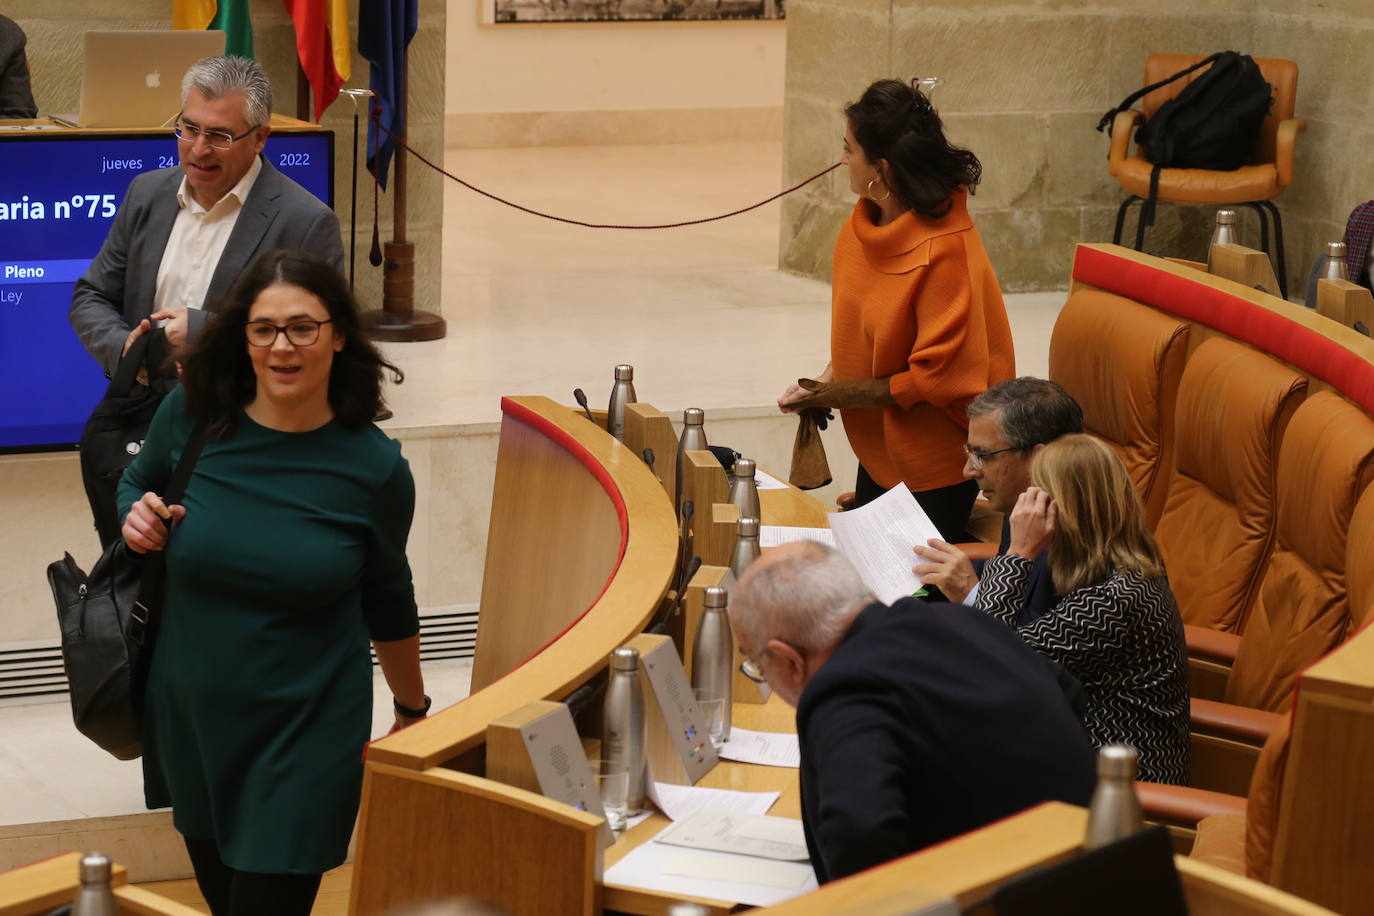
{"x":768,"y":748}
{"x":681,"y":802}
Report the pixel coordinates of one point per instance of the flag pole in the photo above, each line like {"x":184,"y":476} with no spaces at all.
{"x":398,"y":319}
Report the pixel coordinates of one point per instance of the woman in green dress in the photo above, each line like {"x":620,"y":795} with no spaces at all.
{"x":288,"y":556}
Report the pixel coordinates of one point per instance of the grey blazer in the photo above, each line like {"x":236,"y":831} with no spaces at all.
{"x":117,"y":290}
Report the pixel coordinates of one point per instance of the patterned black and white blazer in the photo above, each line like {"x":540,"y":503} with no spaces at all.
{"x":1123,"y":639}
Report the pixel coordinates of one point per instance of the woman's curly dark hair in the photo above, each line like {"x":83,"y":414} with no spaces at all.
{"x":895,"y":121}
{"x":217,"y":374}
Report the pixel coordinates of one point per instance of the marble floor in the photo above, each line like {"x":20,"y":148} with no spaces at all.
{"x":536,"y":307}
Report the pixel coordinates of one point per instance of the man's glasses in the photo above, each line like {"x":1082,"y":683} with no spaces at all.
{"x":301,"y":333}
{"x":750,"y":669}
{"x":188,"y":132}
{"x":976,"y":457}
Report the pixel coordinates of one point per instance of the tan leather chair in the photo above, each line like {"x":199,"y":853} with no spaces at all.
{"x":1122,"y":362}
{"x":1234,"y":404}
{"x":1302,"y":610}
{"x":1325,"y":463}
{"x":1268,"y":172}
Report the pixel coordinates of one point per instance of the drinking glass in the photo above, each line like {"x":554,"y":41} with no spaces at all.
{"x":712,"y":706}
{"x":613,"y":786}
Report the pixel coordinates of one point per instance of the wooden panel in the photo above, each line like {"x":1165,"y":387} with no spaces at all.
{"x":136,"y":900}
{"x":1325,"y":839}
{"x":647,"y":427}
{"x":1245,"y":266}
{"x":1207,"y":679}
{"x":793,"y":507}
{"x":622,"y":611}
{"x":45,"y":885}
{"x":1212,"y":891}
{"x":720,"y":536}
{"x":508,"y":760}
{"x":540,"y":575}
{"x":966,"y":868}
{"x":1345,"y":303}
{"x":703,"y":482}
{"x":1221,"y":764}
{"x":440,"y":834}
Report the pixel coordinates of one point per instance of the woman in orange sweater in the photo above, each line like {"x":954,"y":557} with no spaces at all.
{"x":918,"y":326}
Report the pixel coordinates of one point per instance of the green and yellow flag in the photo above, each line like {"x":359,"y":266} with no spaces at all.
{"x":229,"y":16}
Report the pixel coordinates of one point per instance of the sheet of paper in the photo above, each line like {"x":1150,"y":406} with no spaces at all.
{"x":774,"y":535}
{"x":743,"y":834}
{"x":681,"y":802}
{"x":765,"y":481}
{"x":691,"y":872}
{"x":772,"y":749}
{"x":878,"y":538}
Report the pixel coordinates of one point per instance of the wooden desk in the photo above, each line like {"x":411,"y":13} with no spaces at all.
{"x":34,"y":890}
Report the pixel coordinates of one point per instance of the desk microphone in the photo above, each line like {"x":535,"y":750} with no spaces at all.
{"x":581,"y":397}
{"x":649,"y":458}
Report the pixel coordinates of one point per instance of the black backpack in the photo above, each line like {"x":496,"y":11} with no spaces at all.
{"x":113,"y":435}
{"x":1212,"y":124}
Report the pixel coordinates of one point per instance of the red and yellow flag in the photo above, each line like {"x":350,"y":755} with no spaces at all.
{"x":323,"y":46}
{"x":229,"y":16}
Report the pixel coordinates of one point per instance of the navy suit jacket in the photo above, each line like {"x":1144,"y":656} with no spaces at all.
{"x":117,"y":290}
{"x":927,"y":721}
{"x":1041,"y":596}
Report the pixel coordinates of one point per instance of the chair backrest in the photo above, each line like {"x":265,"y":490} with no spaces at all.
{"x":1122,"y":361}
{"x":1359,"y":563}
{"x":1264,"y":802}
{"x":1279,"y":73}
{"x":1301,"y":613}
{"x":1217,"y":529}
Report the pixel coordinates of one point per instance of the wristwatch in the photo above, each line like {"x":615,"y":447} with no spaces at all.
{"x":407,"y":712}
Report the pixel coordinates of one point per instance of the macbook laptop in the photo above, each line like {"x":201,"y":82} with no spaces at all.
{"x":133,"y":79}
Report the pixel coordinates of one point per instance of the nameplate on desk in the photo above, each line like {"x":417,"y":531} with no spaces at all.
{"x":680,"y":749}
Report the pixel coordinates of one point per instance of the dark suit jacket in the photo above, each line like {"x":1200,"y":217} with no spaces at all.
{"x":930,"y":720}
{"x":16,"y":98}
{"x":1041,"y":596}
{"x":117,"y":290}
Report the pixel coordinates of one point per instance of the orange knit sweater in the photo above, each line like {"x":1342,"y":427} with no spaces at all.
{"x":916,"y":302}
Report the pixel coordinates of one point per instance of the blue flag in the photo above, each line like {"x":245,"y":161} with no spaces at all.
{"x":385,"y":28}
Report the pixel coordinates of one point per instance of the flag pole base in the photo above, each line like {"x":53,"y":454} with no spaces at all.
{"x":398,"y":319}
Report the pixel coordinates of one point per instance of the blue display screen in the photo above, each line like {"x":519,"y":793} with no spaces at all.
{"x":58,"y":197}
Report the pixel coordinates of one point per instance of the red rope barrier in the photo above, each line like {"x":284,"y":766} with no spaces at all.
{"x":578,"y":222}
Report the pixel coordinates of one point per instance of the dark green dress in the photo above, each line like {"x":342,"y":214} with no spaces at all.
{"x":290,"y":557}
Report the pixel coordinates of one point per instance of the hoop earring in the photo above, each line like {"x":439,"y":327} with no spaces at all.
{"x":869,"y":189}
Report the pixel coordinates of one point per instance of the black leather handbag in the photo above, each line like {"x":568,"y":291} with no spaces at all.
{"x":109,"y":622}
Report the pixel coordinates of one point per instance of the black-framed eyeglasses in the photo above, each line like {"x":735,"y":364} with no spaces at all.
{"x":188,"y":132}
{"x":976,"y":456}
{"x":301,"y":333}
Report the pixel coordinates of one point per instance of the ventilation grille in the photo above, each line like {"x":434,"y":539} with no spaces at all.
{"x":33,"y":669}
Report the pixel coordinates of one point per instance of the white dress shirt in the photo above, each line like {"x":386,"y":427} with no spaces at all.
{"x":196,"y":243}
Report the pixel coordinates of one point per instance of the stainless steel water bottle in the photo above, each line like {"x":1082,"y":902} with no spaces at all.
{"x":693,"y":439}
{"x":622,"y":393}
{"x":1115,"y":811}
{"x":624,"y":733}
{"x":1334,"y":267}
{"x":1224,"y":233}
{"x":95,"y":896}
{"x":713,"y":653}
{"x":744,"y":492}
{"x":746,"y":546}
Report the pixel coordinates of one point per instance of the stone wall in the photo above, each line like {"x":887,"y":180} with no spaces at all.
{"x":1023,"y":85}
{"x":55,"y":29}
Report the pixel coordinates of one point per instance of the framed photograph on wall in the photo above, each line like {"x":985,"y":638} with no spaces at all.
{"x":505,"y":12}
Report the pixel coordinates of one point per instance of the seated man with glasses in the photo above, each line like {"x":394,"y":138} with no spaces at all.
{"x":1007,"y":425}
{"x":917,"y":722}
{"x":183,"y":234}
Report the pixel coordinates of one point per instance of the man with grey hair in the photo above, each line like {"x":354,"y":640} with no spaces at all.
{"x":917,"y":722}
{"x":1007,"y":425}
{"x":183,"y":234}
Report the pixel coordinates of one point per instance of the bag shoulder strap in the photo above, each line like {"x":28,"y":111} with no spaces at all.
{"x":176,"y":488}
{"x":1141,"y":93}
{"x":122,"y":382}
{"x":155,"y":562}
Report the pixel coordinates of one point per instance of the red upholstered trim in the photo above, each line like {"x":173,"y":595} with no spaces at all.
{"x":1239,"y":318}
{"x":520,"y":412}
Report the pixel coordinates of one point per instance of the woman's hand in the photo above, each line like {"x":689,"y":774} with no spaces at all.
{"x":1032,"y":523}
{"x":144,"y":527}
{"x":798,"y":391}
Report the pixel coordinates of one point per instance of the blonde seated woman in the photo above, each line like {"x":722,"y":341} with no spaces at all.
{"x":1117,"y":628}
